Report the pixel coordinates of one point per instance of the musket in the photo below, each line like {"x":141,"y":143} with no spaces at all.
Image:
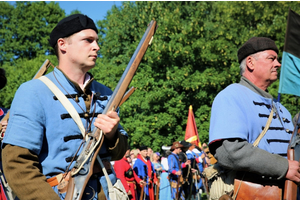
{"x":177,"y":187}
{"x":157,"y":189}
{"x":83,"y":168}
{"x":193,"y":175}
{"x":290,"y":187}
{"x":204,"y":181}
{"x":202,"y":177}
{"x":43,"y":69}
{"x":127,"y":94}
{"x":143,"y":188}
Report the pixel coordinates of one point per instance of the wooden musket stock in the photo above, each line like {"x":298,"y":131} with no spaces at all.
{"x":143,"y":188}
{"x":127,"y":94}
{"x":157,"y":189}
{"x":290,"y":187}
{"x":83,"y":169}
{"x":177,"y":187}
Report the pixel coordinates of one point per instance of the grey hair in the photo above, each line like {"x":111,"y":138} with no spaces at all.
{"x":243,"y":63}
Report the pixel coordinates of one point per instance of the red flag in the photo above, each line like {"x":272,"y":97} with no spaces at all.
{"x":191,"y":132}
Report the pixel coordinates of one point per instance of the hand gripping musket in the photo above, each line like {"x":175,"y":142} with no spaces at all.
{"x":142,"y":194}
{"x":83,"y":168}
{"x":293,"y":153}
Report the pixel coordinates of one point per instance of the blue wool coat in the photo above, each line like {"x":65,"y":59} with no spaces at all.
{"x":36,"y":122}
{"x":250,"y":114}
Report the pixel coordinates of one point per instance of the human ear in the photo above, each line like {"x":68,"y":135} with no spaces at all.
{"x":250,"y":62}
{"x":61,"y":44}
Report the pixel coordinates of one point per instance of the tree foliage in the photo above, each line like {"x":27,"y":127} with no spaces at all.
{"x":193,"y":56}
{"x":25,"y":29}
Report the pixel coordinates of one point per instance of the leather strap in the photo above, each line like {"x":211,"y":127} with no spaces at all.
{"x":255,"y":144}
{"x":262,"y":134}
{"x":65,"y":102}
{"x":54,"y":181}
{"x":74,"y":114}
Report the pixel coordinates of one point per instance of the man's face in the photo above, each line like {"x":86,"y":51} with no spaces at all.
{"x":144,"y":153}
{"x":178,"y":150}
{"x":265,"y":67}
{"x":150,"y":151}
{"x":127,"y":156}
{"x":82,"y":48}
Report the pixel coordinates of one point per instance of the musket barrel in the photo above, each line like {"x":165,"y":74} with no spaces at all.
{"x":131,"y":68}
{"x":94,"y":142}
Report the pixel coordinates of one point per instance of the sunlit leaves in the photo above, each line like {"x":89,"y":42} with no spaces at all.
{"x":192,"y":58}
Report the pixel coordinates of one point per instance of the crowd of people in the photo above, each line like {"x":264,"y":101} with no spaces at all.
{"x":173,"y":173}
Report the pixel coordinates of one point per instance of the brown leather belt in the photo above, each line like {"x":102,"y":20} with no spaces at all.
{"x":131,"y":182}
{"x":54,"y":181}
{"x":97,"y":172}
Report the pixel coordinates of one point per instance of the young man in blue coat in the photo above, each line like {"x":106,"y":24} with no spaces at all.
{"x":41,"y":139}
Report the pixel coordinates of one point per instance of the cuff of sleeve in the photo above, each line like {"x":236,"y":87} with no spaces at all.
{"x":284,"y":165}
{"x":112,"y":144}
{"x":199,"y":160}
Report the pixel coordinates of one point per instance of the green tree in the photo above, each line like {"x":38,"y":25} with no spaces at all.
{"x":23,"y":70}
{"x":192,"y":58}
{"x":25,"y":29}
{"x":24,"y":34}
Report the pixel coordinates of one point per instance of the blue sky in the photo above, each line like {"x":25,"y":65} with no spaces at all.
{"x":94,"y":9}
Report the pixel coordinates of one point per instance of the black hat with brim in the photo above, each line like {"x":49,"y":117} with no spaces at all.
{"x":143,"y":147}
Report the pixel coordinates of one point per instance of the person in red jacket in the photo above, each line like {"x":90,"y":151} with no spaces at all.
{"x":127,"y":176}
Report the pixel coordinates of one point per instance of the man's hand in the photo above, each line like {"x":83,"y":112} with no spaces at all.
{"x":129,"y":192}
{"x":178,"y":173}
{"x":108,"y":123}
{"x":293,"y":172}
{"x":188,"y":162}
{"x":143,"y":183}
{"x":158,"y":184}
